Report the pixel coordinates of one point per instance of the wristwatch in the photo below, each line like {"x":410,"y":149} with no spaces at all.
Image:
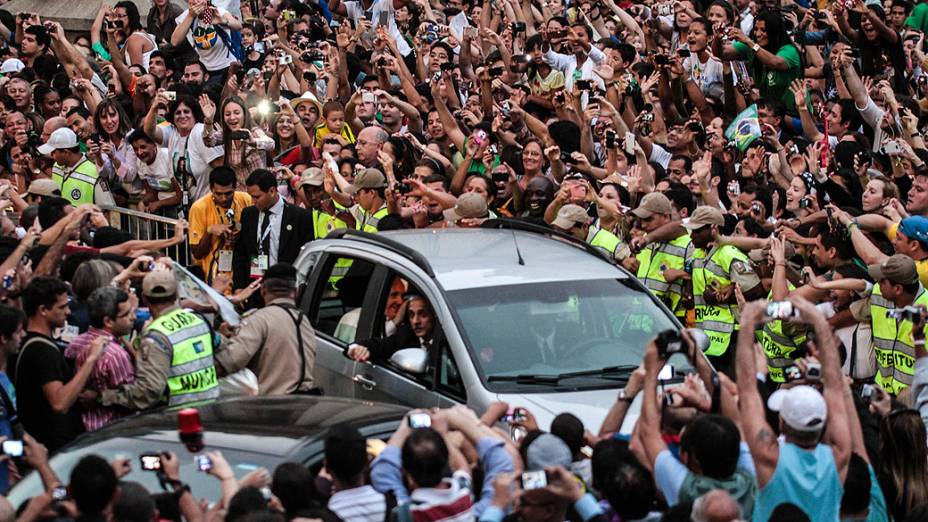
{"x":622,"y":397}
{"x":755,"y":47}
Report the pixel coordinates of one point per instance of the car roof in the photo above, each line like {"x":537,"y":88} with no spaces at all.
{"x":269,"y":425}
{"x":483,"y":257}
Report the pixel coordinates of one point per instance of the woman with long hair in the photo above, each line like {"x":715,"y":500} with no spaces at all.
{"x":904,"y":461}
{"x":246,"y":146}
{"x":772,"y":58}
{"x":292,"y":142}
{"x":111,"y":151}
{"x":125,"y":24}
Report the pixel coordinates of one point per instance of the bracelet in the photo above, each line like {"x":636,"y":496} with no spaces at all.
{"x":919,"y":342}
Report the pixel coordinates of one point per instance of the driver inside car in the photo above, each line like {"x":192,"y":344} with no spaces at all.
{"x":418,"y":331}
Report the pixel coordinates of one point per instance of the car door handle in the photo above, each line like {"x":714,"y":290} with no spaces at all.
{"x":365,"y":381}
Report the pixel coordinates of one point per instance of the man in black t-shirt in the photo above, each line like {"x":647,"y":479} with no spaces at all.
{"x":46,"y":385}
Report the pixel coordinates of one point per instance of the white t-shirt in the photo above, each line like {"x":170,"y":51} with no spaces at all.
{"x":356,"y":11}
{"x":160,"y":174}
{"x":703,"y":74}
{"x":206,"y":41}
{"x":197,"y":154}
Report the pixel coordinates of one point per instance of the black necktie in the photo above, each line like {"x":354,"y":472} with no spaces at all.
{"x":265,"y":233}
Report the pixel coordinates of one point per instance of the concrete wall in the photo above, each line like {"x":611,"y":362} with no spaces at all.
{"x":74,"y":15}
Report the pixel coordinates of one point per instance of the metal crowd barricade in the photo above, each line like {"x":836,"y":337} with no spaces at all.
{"x":143,"y":225}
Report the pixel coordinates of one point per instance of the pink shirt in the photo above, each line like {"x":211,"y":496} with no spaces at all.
{"x":114,"y":369}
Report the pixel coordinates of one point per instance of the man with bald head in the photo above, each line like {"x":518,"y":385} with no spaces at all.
{"x":370,"y":141}
{"x":51,"y":125}
{"x":716,"y":506}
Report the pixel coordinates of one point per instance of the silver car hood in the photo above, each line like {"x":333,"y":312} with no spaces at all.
{"x":589,"y":406}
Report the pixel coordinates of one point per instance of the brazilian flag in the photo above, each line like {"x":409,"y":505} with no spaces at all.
{"x":745,"y":129}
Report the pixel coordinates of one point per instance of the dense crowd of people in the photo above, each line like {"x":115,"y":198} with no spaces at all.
{"x":760,"y":167}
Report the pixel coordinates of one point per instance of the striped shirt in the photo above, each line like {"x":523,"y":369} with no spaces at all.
{"x":452,"y":503}
{"x":359,"y":504}
{"x":113,"y":369}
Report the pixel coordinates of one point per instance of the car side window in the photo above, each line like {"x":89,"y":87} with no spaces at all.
{"x":450,"y":382}
{"x":342,"y":284}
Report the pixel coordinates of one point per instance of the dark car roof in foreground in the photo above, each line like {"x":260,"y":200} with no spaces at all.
{"x":269,"y":425}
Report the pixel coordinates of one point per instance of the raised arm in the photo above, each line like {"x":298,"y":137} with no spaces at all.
{"x":758,"y":434}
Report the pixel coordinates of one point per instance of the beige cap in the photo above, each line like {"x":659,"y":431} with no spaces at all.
{"x":368,"y":179}
{"x":570,"y":216}
{"x":160,"y":283}
{"x":311,"y":176}
{"x":653,"y":203}
{"x":44,"y":187}
{"x":307,"y":97}
{"x":703,"y":216}
{"x":469,"y":205}
{"x":899,"y":269}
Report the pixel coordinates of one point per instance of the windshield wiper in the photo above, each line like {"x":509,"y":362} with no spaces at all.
{"x":525,"y":379}
{"x":624,"y":371}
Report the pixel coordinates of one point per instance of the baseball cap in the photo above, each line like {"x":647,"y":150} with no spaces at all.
{"x":307,"y":97}
{"x":899,"y":269}
{"x":368,"y":179}
{"x":705,"y":215}
{"x":311,"y":176}
{"x":469,"y":205}
{"x":44,"y":187}
{"x":63,"y":138}
{"x":915,"y":227}
{"x":570,"y":216}
{"x":653,"y":203}
{"x":547,"y":450}
{"x":12,"y":65}
{"x":802,"y":408}
{"x":160,"y":283}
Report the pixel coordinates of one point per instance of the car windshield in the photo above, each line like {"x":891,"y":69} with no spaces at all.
{"x":201,"y":484}
{"x":523,"y":337}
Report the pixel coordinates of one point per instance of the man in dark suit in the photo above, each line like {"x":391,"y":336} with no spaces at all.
{"x":417,"y":331}
{"x":273,"y":231}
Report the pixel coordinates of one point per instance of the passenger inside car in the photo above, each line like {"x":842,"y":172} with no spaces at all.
{"x":394,"y":312}
{"x":417,"y":331}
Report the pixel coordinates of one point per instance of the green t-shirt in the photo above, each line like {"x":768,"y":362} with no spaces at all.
{"x":774,"y":83}
{"x":918,"y":20}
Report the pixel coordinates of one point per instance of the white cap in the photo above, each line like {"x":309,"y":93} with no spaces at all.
{"x":63,"y":138}
{"x":802,"y":408}
{"x":12,"y":65}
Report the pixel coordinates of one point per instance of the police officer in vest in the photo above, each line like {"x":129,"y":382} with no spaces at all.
{"x":325,"y":217}
{"x":573,"y":219}
{"x":897,"y":287}
{"x":661,"y":264}
{"x":76,"y":175}
{"x":174,"y":359}
{"x":715,"y":271}
{"x":369,"y":188}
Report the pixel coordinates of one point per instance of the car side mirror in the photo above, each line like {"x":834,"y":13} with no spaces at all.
{"x":412,"y":360}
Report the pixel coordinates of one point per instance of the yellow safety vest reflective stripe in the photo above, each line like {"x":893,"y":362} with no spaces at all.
{"x":659,"y":257}
{"x":192,"y":376}
{"x":892,"y":342}
{"x":369,"y":222}
{"x":604,"y":240}
{"x":77,"y":186}
{"x":712,"y":269}
{"x":778,"y":347}
{"x":324,"y":223}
